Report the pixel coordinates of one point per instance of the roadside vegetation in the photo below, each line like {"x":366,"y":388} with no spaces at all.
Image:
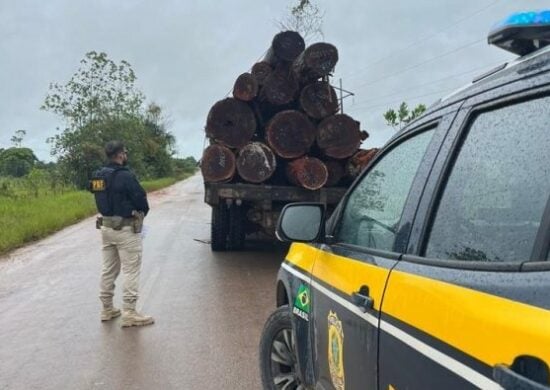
{"x":36,"y":205}
{"x":99,"y":103}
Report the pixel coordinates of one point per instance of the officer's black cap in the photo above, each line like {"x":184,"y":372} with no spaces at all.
{"x":113,"y":148}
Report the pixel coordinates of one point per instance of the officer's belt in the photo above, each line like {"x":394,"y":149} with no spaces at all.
{"x":117,"y":223}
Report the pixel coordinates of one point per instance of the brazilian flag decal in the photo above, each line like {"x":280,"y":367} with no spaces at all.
{"x":302,"y":298}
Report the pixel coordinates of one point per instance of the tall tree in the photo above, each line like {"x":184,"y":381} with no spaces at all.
{"x":305,"y":18}
{"x":17,"y":138}
{"x":100,"y":89}
{"x":101,"y":103}
{"x":400,"y":117}
{"x":16,"y":162}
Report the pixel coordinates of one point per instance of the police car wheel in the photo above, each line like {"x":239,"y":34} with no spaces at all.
{"x":219,"y":228}
{"x":278,"y":365}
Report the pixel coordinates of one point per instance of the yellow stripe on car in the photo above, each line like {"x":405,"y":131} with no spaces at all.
{"x":492,"y":329}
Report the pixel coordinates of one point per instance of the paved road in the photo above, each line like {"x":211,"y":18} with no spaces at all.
{"x":210,"y":308}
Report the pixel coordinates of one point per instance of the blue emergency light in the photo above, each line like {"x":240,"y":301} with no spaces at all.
{"x":522,"y":32}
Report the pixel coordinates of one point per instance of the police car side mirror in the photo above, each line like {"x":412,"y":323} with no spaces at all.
{"x":301,"y":222}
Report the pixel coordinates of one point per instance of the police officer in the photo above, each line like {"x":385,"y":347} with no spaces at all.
{"x":122,"y":203}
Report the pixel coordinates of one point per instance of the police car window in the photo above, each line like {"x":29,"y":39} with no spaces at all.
{"x":374,"y":208}
{"x":493,"y":202}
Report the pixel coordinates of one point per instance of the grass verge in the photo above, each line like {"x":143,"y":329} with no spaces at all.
{"x":31,"y":218}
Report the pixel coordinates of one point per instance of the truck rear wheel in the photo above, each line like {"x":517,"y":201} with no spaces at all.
{"x":236,"y":227}
{"x":219,"y":228}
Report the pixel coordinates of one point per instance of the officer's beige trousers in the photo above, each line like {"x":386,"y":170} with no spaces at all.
{"x":121,"y":249}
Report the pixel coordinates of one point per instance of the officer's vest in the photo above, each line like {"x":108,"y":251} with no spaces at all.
{"x":101,"y":185}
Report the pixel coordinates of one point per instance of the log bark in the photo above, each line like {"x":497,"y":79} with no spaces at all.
{"x":336,"y":172}
{"x":307,"y":172}
{"x":217,"y":164}
{"x":339,"y":136}
{"x":358,"y":162}
{"x":285,"y":47}
{"x":290,"y":134}
{"x":261,"y":70}
{"x":319,"y":100}
{"x":245,"y":88}
{"x":231,"y":122}
{"x":316,"y":61}
{"x":256,"y":162}
{"x":280,"y":87}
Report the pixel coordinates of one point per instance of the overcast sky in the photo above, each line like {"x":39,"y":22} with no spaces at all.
{"x":187,"y":54}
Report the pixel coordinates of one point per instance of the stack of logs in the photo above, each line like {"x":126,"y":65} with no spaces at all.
{"x":281,"y":126}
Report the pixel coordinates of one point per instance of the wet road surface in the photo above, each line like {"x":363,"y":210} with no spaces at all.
{"x":209,"y":308}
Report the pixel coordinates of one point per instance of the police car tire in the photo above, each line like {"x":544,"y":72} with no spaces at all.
{"x":219,"y":228}
{"x":236,"y":227}
{"x":278,"y":320}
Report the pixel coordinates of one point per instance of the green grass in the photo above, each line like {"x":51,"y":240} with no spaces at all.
{"x":28,"y":218}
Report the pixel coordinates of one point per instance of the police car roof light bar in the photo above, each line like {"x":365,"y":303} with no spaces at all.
{"x":522,"y":32}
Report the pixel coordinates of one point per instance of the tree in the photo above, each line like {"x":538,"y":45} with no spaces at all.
{"x":305,"y":18}
{"x":101,"y":103}
{"x":16,"y":162}
{"x":100,"y":89}
{"x":402,"y":116}
{"x":17,"y":138}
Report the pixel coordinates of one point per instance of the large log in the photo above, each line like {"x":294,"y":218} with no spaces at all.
{"x":285,"y":47}
{"x":256,"y":162}
{"x":336,"y":172}
{"x":217,"y":164}
{"x":359,"y":161}
{"x":245,"y":88}
{"x":290,"y":134}
{"x":261,"y":70}
{"x":319,"y":100}
{"x":280,"y":87}
{"x":231,"y":122}
{"x":307,"y":172}
{"x":316,"y":61}
{"x":339,"y":136}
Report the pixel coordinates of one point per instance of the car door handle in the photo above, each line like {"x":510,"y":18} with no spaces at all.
{"x":509,"y":379}
{"x":362,"y":299}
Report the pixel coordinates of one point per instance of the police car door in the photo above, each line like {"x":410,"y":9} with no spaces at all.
{"x":349,"y":275}
{"x":469,"y":307}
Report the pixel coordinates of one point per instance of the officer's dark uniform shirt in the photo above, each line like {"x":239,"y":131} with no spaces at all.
{"x":128,"y":194}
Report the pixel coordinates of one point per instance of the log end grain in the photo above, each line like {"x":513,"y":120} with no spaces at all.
{"x":280,"y":87}
{"x":231,"y":122}
{"x":217,"y":164}
{"x":307,"y":172}
{"x":316,"y":61}
{"x":245,"y":88}
{"x":256,"y":162}
{"x":287,"y":45}
{"x":290,"y":134}
{"x":319,"y":100}
{"x":358,"y":162}
{"x":338,"y":136}
{"x":261,"y":70}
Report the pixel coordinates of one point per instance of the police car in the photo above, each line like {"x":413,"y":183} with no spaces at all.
{"x":434,"y":270}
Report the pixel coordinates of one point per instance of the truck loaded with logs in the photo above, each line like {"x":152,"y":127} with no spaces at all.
{"x":279,"y":139}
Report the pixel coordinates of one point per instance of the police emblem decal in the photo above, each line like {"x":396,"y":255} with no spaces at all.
{"x":336,"y":351}
{"x":301,"y":303}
